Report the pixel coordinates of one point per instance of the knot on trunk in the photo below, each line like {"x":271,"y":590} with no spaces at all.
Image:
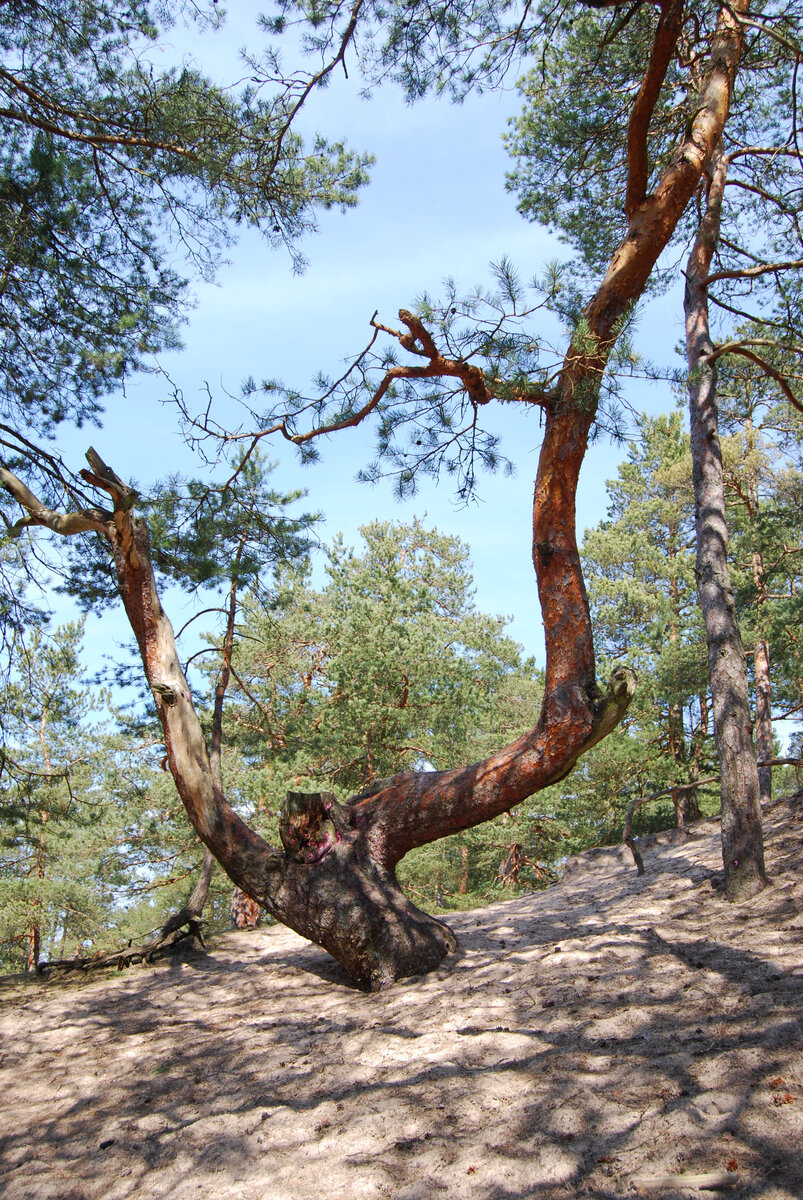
{"x":308,"y":825}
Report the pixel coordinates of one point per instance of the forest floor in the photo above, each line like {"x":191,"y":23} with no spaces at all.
{"x":613,"y":1036}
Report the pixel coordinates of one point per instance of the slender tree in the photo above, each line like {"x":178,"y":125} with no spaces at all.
{"x":749,"y":220}
{"x":56,"y":768}
{"x":762,"y":465}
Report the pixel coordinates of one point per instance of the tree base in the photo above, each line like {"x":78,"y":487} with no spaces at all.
{"x":358,"y":913}
{"x":744,"y":882}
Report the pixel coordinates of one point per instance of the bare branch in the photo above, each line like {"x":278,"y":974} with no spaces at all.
{"x":741,"y":348}
{"x":752,"y":272}
{"x":67,"y":524}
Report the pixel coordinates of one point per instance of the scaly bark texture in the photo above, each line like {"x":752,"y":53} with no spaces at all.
{"x":742,"y":843}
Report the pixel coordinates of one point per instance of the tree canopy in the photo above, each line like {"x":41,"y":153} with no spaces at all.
{"x":121,"y":178}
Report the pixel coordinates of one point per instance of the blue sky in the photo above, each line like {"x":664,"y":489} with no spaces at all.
{"x":436,"y":207}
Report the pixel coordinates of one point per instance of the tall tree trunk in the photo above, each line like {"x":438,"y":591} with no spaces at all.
{"x":684,"y":799}
{"x":761,"y":650}
{"x":35,"y":931}
{"x":761,"y":661}
{"x":687,"y":809}
{"x":463,"y":889}
{"x":34,"y":946}
{"x":742,"y":843}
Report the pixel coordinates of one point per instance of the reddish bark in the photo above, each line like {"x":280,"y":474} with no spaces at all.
{"x":244,"y":913}
{"x":670,"y":24}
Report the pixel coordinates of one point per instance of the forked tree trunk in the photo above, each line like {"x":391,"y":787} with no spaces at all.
{"x":334,"y":880}
{"x":742,"y":843}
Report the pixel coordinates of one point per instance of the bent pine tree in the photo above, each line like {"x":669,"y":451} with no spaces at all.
{"x":333,"y":880}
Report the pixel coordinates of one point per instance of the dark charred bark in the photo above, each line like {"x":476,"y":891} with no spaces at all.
{"x":742,"y":843}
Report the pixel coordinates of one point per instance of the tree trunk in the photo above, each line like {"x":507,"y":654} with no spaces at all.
{"x":244,"y":913}
{"x":190,"y":915}
{"x":463,"y":889}
{"x":742,"y":843}
{"x":687,"y":808}
{"x":761,"y":659}
{"x":761,"y":650}
{"x":510,"y":867}
{"x":34,"y":946}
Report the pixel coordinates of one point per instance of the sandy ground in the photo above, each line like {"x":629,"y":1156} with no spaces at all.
{"x":612,"y":1036}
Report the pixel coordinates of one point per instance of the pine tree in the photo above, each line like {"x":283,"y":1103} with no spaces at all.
{"x":762,"y":465}
{"x":104,"y":151}
{"x":664,"y":121}
{"x":639,"y":564}
{"x":388,"y":667}
{"x":58,"y":817}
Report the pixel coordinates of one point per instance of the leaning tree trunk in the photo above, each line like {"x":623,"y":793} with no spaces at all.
{"x":334,"y":879}
{"x":742,"y":843}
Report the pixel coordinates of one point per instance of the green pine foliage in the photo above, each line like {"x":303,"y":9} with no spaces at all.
{"x":763,"y":459}
{"x":110,"y":163}
{"x":570,"y":142}
{"x":59,"y":805}
{"x":388,"y":667}
{"x":95,"y":846}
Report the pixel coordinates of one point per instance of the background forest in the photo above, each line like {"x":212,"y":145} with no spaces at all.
{"x":388,"y":666}
{"x":317,"y":665}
